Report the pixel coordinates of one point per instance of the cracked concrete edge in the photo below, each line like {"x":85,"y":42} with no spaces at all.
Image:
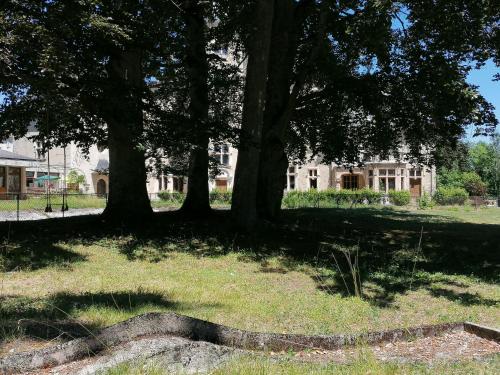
{"x":151,"y":324}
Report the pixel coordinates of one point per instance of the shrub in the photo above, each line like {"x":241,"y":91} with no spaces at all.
{"x":329,"y":197}
{"x":451,"y":195}
{"x":221,"y":196}
{"x":425,"y":201}
{"x":174,"y":197}
{"x":399,"y":197}
{"x":370,"y":196}
{"x":474,"y":185}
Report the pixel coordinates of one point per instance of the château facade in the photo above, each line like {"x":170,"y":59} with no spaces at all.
{"x":33,"y":163}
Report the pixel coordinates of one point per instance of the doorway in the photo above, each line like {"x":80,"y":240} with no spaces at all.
{"x":101,"y":188}
{"x":221,"y":184}
{"x":415,"y":187}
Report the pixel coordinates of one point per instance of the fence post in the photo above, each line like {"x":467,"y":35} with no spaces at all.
{"x":17,"y":205}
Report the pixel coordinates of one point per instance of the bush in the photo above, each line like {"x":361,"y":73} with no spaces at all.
{"x":221,"y":196}
{"x":399,"y":198}
{"x":174,"y":197}
{"x":329,"y":198}
{"x":451,"y":195}
{"x":370,"y":196}
{"x":470,"y":181}
{"x":474,"y":185}
{"x":310,"y":198}
{"x":425,"y":201}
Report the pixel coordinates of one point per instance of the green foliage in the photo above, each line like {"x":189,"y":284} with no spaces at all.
{"x":425,"y":202}
{"x":75,"y":178}
{"x":216,"y":196}
{"x":399,"y":197}
{"x":451,"y":195}
{"x":485,"y":160}
{"x":174,"y":197}
{"x":221,"y":196}
{"x":474,"y":185}
{"x":470,"y":181}
{"x":474,"y":167}
{"x":330,"y":198}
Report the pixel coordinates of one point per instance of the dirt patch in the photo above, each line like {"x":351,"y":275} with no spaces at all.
{"x":447,"y":347}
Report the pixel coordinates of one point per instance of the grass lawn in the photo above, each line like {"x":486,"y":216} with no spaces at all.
{"x":284,"y":279}
{"x":363,"y":364}
{"x":74,"y":201}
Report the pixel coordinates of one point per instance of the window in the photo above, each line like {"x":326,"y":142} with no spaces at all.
{"x":291,"y":178}
{"x":313,"y":178}
{"x":382,"y":185}
{"x":30,"y":179}
{"x":370,"y":172}
{"x":350,"y":181}
{"x":391,"y":183}
{"x":391,"y":172}
{"x":402,"y":172}
{"x":382,"y":172}
{"x":14,"y":180}
{"x":415,"y":172}
{"x":2,"y":177}
{"x":178,"y":184}
{"x":402,"y":183}
{"x":222,"y":154}
{"x":39,"y":151}
{"x":370,"y":183}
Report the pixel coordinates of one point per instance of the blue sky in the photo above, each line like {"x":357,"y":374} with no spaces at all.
{"x":483,"y":78}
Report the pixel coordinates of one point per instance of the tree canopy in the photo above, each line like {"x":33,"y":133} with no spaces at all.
{"x":344,"y":80}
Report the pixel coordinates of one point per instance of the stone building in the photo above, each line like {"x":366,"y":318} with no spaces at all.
{"x":379,"y":175}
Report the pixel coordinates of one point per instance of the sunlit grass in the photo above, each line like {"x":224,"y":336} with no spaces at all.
{"x":275,"y":285}
{"x":362,"y":365}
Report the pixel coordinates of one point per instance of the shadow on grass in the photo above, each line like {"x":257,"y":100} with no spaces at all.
{"x":54,"y":316}
{"x":464,"y":298}
{"x":386,"y":240}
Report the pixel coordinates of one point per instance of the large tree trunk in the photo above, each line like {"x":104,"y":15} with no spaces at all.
{"x":244,"y":204}
{"x":197,"y":199}
{"x":273,"y":158}
{"x":284,"y":86}
{"x":128,"y":200}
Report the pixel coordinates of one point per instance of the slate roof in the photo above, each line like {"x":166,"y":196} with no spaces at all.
{"x":13,"y":156}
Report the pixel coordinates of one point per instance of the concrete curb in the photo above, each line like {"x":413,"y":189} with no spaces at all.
{"x":154,"y":324}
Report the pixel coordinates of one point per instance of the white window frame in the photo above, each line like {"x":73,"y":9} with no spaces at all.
{"x":293,"y":174}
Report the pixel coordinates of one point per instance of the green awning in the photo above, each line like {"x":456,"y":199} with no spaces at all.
{"x":47,"y":178}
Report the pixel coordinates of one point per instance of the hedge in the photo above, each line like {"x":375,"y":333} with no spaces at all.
{"x":330,"y":197}
{"x":451,"y":195}
{"x":221,"y":196}
{"x":399,"y":197}
{"x":216,"y":196}
{"x":174,"y":197}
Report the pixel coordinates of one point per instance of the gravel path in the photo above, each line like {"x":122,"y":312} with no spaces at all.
{"x":450,"y":346}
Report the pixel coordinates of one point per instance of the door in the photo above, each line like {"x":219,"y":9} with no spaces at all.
{"x":221,"y":184}
{"x":415,"y":187}
{"x":101,"y":188}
